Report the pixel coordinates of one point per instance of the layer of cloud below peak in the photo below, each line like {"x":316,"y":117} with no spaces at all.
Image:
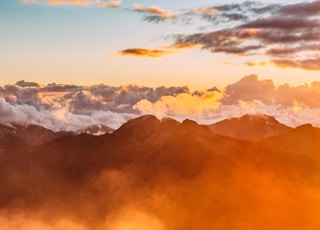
{"x":71,"y":108}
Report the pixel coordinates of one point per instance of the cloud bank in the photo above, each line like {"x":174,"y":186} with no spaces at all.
{"x":70,"y":107}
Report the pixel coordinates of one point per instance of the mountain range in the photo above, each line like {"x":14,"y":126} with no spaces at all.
{"x":243,"y":173}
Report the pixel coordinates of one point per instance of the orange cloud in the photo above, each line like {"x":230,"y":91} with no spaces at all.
{"x":205,"y":11}
{"x":110,"y":4}
{"x":140,"y":52}
{"x":182,"y":105}
{"x":155,"y":13}
{"x":75,"y":2}
{"x":307,"y":64}
{"x":252,"y":64}
{"x":71,"y":2}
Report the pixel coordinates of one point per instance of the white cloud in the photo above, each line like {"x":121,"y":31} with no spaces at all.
{"x":70,"y":107}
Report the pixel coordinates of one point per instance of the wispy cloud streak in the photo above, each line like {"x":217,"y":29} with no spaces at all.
{"x":140,"y":52}
{"x":99,"y":3}
{"x":155,"y":14}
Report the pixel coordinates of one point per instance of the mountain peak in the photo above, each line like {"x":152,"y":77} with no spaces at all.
{"x":139,"y":126}
{"x":251,"y":127}
{"x":189,"y":123}
{"x":305,"y":127}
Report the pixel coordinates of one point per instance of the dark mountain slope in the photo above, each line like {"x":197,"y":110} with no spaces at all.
{"x":304,"y":140}
{"x":32,"y":135}
{"x":163,"y":175}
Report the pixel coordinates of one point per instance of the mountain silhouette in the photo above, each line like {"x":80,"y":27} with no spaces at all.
{"x":304,"y":140}
{"x":253,"y":127}
{"x":161,"y":174}
{"x":32,"y":135}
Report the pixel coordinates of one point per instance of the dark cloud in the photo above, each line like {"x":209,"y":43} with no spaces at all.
{"x":226,"y":41}
{"x":283,"y":23}
{"x":27,"y":84}
{"x":235,"y":13}
{"x":155,"y":14}
{"x":245,"y":6}
{"x":139,"y":52}
{"x":53,"y":87}
{"x":264,"y":33}
{"x":287,"y":34}
{"x":305,"y":9}
{"x":219,"y":14}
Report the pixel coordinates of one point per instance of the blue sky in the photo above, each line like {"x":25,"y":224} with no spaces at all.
{"x":72,"y":43}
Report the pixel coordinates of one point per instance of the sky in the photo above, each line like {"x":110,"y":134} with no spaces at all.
{"x":198,"y":44}
{"x":69,"y":64}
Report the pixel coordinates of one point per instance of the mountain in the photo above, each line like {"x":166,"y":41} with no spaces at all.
{"x":163,"y":175}
{"x":303,"y":140}
{"x":249,"y":127}
{"x":9,"y":141}
{"x":32,"y":135}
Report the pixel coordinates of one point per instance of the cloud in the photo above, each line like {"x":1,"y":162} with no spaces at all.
{"x":59,"y":119}
{"x":302,"y":9}
{"x":99,"y":3}
{"x":257,"y":63}
{"x":27,"y":84}
{"x":251,"y":95}
{"x":155,"y":14}
{"x":110,"y":4}
{"x":182,"y":106}
{"x":286,"y":35}
{"x":140,"y":52}
{"x":71,"y":108}
{"x":308,"y":64}
{"x":249,"y":88}
{"x":235,"y":13}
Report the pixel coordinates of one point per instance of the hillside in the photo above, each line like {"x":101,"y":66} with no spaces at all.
{"x":163,"y":175}
{"x":249,"y":127}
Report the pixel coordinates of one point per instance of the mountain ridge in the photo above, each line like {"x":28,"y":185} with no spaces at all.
{"x":251,"y":127}
{"x":163,"y":167}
